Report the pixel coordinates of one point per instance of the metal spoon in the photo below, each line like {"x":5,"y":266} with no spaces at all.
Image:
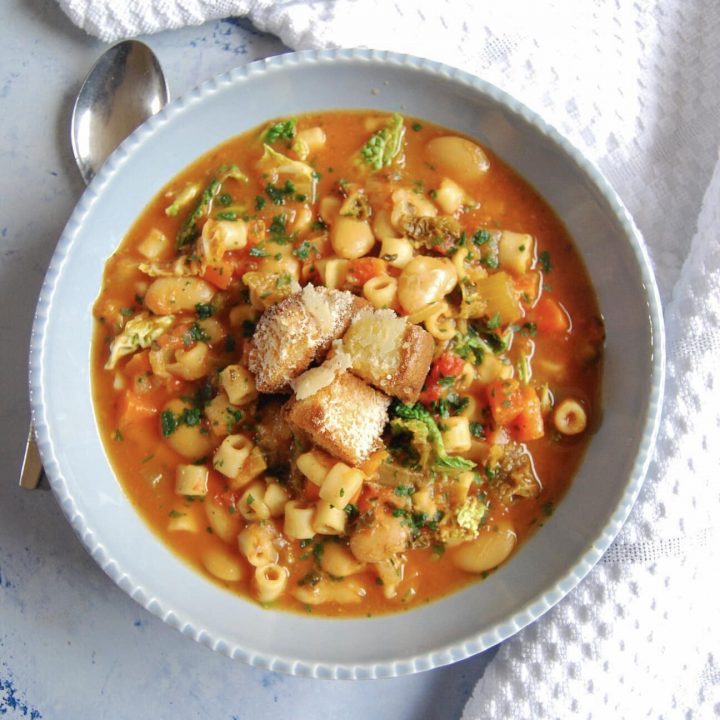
{"x":124,"y":88}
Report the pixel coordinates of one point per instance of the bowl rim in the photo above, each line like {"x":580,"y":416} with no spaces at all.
{"x":474,"y":642}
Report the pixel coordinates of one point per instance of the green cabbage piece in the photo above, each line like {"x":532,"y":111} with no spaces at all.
{"x":384,"y":145}
{"x":465,"y":523}
{"x":140,"y":332}
{"x":303,"y":176}
{"x":426,"y":437}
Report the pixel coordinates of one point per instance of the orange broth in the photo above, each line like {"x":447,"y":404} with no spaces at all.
{"x":565,"y":363}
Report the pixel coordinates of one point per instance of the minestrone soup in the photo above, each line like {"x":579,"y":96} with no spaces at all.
{"x":346,"y":363}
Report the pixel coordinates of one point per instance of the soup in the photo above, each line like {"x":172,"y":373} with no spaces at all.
{"x":345,"y":363}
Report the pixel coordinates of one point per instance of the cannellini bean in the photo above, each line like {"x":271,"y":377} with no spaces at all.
{"x":425,"y":280}
{"x":224,"y":566}
{"x":379,"y":541}
{"x":488,"y":550}
{"x":570,"y":417}
{"x":167,"y":295}
{"x":462,"y":160}
{"x":351,"y":238}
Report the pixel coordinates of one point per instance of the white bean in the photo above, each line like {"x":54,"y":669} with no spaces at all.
{"x":425,"y":280}
{"x":459,"y":158}
{"x":488,"y":550}
{"x":167,"y":295}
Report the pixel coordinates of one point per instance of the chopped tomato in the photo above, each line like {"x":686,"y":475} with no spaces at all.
{"x":363,"y":269}
{"x":528,"y":425}
{"x":221,"y":274}
{"x":550,"y":316}
{"x":446,"y":365}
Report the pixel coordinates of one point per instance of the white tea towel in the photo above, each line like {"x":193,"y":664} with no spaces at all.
{"x":636,"y":86}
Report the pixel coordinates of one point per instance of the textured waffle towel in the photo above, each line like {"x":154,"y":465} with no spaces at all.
{"x":635,"y":85}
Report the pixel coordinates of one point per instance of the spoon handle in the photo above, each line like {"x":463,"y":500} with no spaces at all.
{"x":32,"y":471}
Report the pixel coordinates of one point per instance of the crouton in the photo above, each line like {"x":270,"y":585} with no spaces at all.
{"x":345,"y":418}
{"x":389,"y":352}
{"x":296,"y":332}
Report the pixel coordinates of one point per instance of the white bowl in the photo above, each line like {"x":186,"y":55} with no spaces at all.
{"x":546,"y":567}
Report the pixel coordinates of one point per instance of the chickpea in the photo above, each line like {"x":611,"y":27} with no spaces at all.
{"x":462,"y":160}
{"x":351,"y":238}
{"x":425,"y":280}
{"x":488,"y":550}
{"x":167,"y":295}
{"x":385,"y":537}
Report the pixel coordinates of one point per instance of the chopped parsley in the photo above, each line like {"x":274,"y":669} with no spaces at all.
{"x":477,"y":430}
{"x":278,"y":230}
{"x":260,"y":202}
{"x":284,"y":130}
{"x":481,"y":237}
{"x":257,"y":251}
{"x":279,"y":194}
{"x":170,"y":422}
{"x":204,"y":311}
{"x":304,"y":249}
{"x":195,"y":334}
{"x":545,"y":262}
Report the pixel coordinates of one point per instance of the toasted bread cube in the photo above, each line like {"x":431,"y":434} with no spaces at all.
{"x":389,"y":353}
{"x":345,"y":418}
{"x":296,"y":332}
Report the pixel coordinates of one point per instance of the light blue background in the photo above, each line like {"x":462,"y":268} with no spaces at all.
{"x":72,"y":644}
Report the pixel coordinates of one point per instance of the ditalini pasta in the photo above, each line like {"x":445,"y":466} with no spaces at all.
{"x":346,"y":363}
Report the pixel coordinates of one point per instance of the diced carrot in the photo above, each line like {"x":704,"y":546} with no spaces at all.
{"x":133,"y":407}
{"x":528,"y":425}
{"x":362,"y":269}
{"x":220,"y":275}
{"x":550,"y":316}
{"x":505,"y":399}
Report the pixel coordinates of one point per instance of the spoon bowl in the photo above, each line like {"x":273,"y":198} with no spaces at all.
{"x":124,"y":88}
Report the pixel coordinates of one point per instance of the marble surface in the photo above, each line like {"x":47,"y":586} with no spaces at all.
{"x":73,"y":646}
